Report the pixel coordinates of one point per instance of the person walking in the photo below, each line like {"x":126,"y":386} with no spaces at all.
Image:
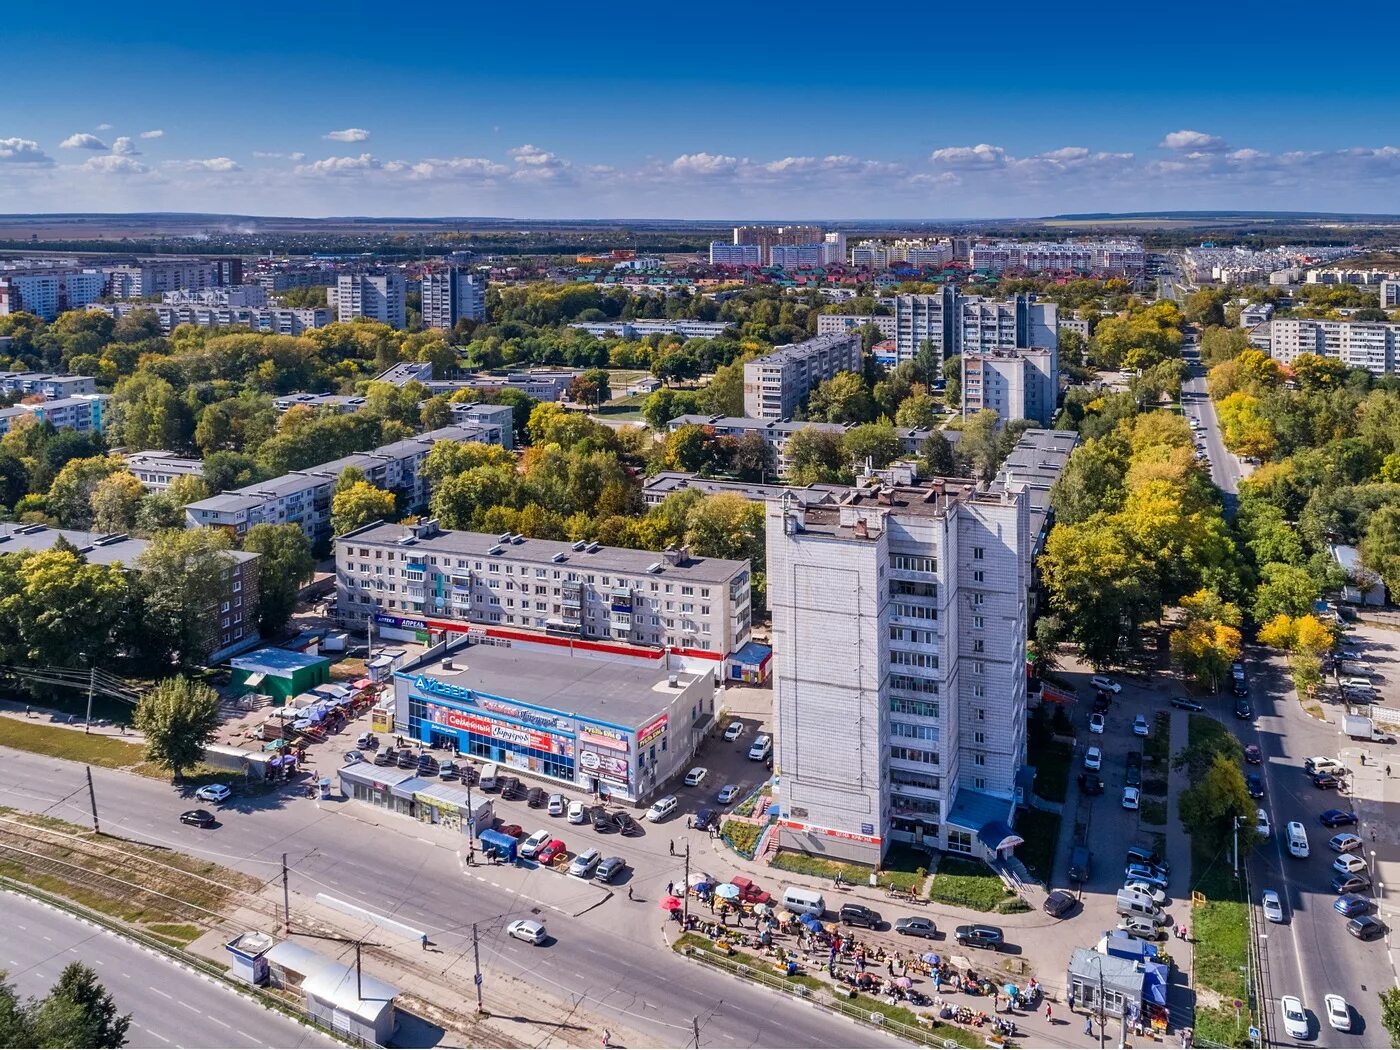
{"x":672,"y":847}
{"x":607,"y":1039}
{"x":1047,"y":1011}
{"x":1088,"y":1025}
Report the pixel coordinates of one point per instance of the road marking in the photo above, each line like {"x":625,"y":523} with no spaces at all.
{"x":151,"y":1031}
{"x":192,"y":1009}
{"x":166,"y":994}
{"x":245,"y":1035}
{"x":47,"y":937}
{"x":224,"y":1023}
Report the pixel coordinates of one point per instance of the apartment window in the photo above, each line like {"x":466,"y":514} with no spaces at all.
{"x":979,"y":759}
{"x":981,"y":714}
{"x":915,"y":563}
{"x":978,"y":623}
{"x":979,"y":738}
{"x":978,"y":576}
{"x":978,"y":667}
{"x":979,"y":690}
{"x":687,"y":590}
{"x":977,"y":645}
{"x":978,"y":553}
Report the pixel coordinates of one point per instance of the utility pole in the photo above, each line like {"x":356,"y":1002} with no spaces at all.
{"x":92,"y":681}
{"x":1103,"y":1021}
{"x":685,"y":891}
{"x":476,"y":964}
{"x":92,"y":798}
{"x":287,"y":905}
{"x":695,"y":1027}
{"x":471,"y":822}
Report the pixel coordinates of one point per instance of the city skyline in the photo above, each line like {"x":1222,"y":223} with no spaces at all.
{"x":679,"y":117}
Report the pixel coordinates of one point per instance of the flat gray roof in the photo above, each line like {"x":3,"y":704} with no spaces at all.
{"x":542,"y":553}
{"x":621,"y":692}
{"x":98,"y":548}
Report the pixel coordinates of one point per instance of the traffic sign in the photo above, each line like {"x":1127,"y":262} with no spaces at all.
{"x":476,"y":979}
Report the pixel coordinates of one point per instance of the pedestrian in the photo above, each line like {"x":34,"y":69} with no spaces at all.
{"x":1387,"y":770}
{"x":26,"y":710}
{"x":890,"y":964}
{"x":629,"y":894}
{"x":607,"y":1039}
{"x":1071,"y":1002}
{"x":672,"y":847}
{"x":1047,"y":1011}
{"x":425,"y":942}
{"x":688,"y":824}
{"x":1089,"y":1027}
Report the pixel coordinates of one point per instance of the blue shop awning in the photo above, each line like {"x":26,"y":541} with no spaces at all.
{"x":997,"y":834}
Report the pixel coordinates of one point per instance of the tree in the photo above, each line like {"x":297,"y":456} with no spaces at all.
{"x":116,"y":501}
{"x":664,"y":405}
{"x":70,"y":495}
{"x":359,"y":504}
{"x":1220,"y":344}
{"x":229,"y":470}
{"x":78,"y":1011}
{"x":1380,"y":546}
{"x":178,"y":717}
{"x":285,"y":564}
{"x":952,"y":376}
{"x":876,"y":442}
{"x":181,"y":579}
{"x":1243,"y":427}
{"x":727,"y":525}
{"x":687,"y":448}
{"x":1100,"y":583}
{"x":724,"y":394}
{"x":1217,"y":802}
{"x":815,"y":456}
{"x":57,"y":609}
{"x":1208,"y":640}
{"x":936,"y":456}
{"x":1284,"y":589}
{"x":844,"y":398}
{"x":981,"y":445}
{"x":919,"y":412}
{"x":1390,"y":1013}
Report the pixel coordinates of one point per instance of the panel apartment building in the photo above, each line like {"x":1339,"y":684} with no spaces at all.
{"x":48,"y":293}
{"x":379,"y":297}
{"x":957,"y":324}
{"x":303,"y":497}
{"x":277,"y":320}
{"x":1016,"y":384}
{"x":899,"y":627}
{"x":1372,"y":345}
{"x":452,"y":295}
{"x":420,"y":577}
{"x":777,"y":384}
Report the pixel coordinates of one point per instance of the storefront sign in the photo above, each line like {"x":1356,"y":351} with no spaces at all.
{"x":407,"y":623}
{"x":650,"y":732}
{"x":830,"y":833}
{"x":425,"y":684}
{"x":606,"y":767}
{"x":450,"y":718}
{"x":521,"y":714}
{"x":600,"y":736}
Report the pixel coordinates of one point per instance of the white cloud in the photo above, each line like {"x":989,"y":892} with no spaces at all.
{"x":214,"y":164}
{"x":126,"y":147}
{"x":103,"y":127}
{"x":274,"y":155}
{"x":458,"y":168}
{"x":154,"y":133}
{"x":111,"y":164}
{"x":706,"y":164}
{"x":82,"y":140}
{"x":347,"y":135}
{"x":979,"y":156}
{"x":1192,"y":140}
{"x":340,"y":165}
{"x":23,"y":152}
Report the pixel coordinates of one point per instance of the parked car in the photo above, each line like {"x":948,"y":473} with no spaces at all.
{"x":511,"y":788}
{"x":979,"y":936}
{"x":558,"y":805}
{"x":1349,"y":863}
{"x":859,"y":915}
{"x":602,"y":821}
{"x":469,"y":774}
{"x":1132,"y":769}
{"x":626,"y":823}
{"x":761,"y":748}
{"x":1350,"y":883}
{"x":428,"y":766}
{"x":1102,"y":701}
{"x":1143,"y":929}
{"x":367,"y":742}
{"x":727,"y":794}
{"x":1344,"y":842}
{"x":200,"y":818}
{"x":1295,"y":1020}
{"x":578,"y":813}
{"x":1297,"y":838}
{"x":1322,"y":764}
{"x":1352,"y":904}
{"x":1254,"y":784}
{"x":609,"y":869}
{"x":916,"y":926}
{"x":1337,"y":1011}
{"x":1093,"y":759}
{"x":695,"y":775}
{"x":1253,"y":755}
{"x":1146,"y":873}
{"x":1185,"y":703}
{"x":213,"y":793}
{"x":1325,"y":780}
{"x":662,"y":808}
{"x":355,"y":756}
{"x":1057,"y":904}
{"x":1158,"y":895}
{"x":448,"y":770}
{"x":705,"y":820}
{"x":1091,"y":783}
{"x":1096,"y":723}
{"x":1337,"y":818}
{"x":733,"y":730}
{"x":1261,"y":823}
{"x":1273,"y":907}
{"x":534,"y":843}
{"x":1366,"y":928}
{"x":386,"y":758}
{"x":551,"y":851}
{"x":1140,"y":725}
{"x":536,"y":797}
{"x":407,"y":759}
{"x":1132,"y":797}
{"x":1105,"y":683}
{"x":531,"y":931}
{"x":1243,"y":708}
{"x":585,"y":864}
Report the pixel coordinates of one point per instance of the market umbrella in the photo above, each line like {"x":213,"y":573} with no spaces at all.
{"x":1010,"y":989}
{"x":932,"y":959}
{"x":700,"y":887}
{"x":810,"y":922}
{"x":761,"y":909}
{"x":727,"y":891}
{"x":699,"y":877}
{"x":903,"y":982}
{"x":669,"y":903}
{"x":782,"y":915}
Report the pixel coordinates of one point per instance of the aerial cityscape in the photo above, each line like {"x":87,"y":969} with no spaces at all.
{"x":639,"y":528}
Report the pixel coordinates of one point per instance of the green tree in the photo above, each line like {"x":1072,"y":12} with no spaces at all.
{"x":70,"y":495}
{"x":178,"y":718}
{"x":1099,"y":583}
{"x":918,"y":411}
{"x":57,"y":609}
{"x":229,"y":470}
{"x":1285,"y":589}
{"x":1390,"y":1013}
{"x":724,"y":395}
{"x":687,"y":448}
{"x":359,"y":504}
{"x":1216,"y":801}
{"x":664,"y":405}
{"x":844,"y":398}
{"x":952,"y":376}
{"x":876,"y":442}
{"x":1380,"y":546}
{"x":181,"y":580}
{"x":285,"y":565}
{"x":78,"y":1011}
{"x":115,"y":502}
{"x":815,"y":456}
{"x":981,"y":445}
{"x":936,"y":456}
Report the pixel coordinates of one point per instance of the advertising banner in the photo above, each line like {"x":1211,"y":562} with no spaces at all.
{"x":605,"y":767}
{"x":650,"y":732}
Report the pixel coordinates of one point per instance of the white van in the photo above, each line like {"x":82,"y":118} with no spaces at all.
{"x":490,"y":777}
{"x":804,"y":902}
{"x":1133,"y":904}
{"x":1297,"y":839}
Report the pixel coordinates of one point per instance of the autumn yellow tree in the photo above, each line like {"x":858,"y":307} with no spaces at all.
{"x":1208,"y":640}
{"x":1305,"y":639}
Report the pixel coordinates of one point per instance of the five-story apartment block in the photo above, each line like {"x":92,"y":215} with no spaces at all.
{"x":776,"y":385}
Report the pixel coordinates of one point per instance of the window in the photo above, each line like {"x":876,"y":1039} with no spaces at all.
{"x":979,"y":737}
{"x":978,"y":667}
{"x":977,"y":645}
{"x":915,"y":563}
{"x":978,"y":623}
{"x":979,"y":759}
{"x":959,"y":841}
{"x":978,"y":553}
{"x":978,"y":576}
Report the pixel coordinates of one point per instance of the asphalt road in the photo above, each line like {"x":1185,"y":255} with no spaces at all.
{"x":169,"y":1006}
{"x":606,"y":951}
{"x":1226,"y":470}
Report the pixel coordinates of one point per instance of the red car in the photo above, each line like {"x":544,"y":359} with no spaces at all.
{"x":749,"y":891}
{"x":551,"y":852}
{"x":513,"y":830}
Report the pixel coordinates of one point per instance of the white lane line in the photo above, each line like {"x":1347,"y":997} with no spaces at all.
{"x":192,"y":1009}
{"x":224,"y":1023}
{"x":47,"y":937}
{"x":245,"y":1035}
{"x":151,"y":1031}
{"x":166,"y":994}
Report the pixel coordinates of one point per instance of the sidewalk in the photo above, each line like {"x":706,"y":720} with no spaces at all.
{"x":1181,"y":997}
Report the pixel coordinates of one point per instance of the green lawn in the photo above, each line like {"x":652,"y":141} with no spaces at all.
{"x":1154,"y":811}
{"x":742,"y":835}
{"x":1220,"y":929}
{"x":821,"y":867}
{"x":90,"y":749}
{"x":967,"y":884}
{"x":1053,"y":760}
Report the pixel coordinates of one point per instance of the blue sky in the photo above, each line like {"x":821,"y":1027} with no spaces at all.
{"x":691,"y":111}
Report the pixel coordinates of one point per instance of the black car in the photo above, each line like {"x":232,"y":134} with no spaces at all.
{"x":1366,"y":927}
{"x":200,"y":818}
{"x":1185,"y":703}
{"x":978,"y":936}
{"x":602,"y":822}
{"x":1102,"y":702}
{"x":859,"y":915}
{"x":1059,"y":903}
{"x":626,"y":824}
{"x":536,"y":797}
{"x":1132,"y":774}
{"x":1091,"y":783}
{"x":448,"y":770}
{"x":704,"y":820}
{"x":1243,"y":708}
{"x":407,"y":760}
{"x":1254,"y":784}
{"x":428,"y":766}
{"x":1337,"y":818}
{"x":385,"y":758}
{"x":1325,"y":780}
{"x":511,"y":788}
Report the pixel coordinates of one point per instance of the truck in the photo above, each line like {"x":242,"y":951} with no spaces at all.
{"x":1359,"y":727}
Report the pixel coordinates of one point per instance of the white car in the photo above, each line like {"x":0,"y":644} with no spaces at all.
{"x":1349,"y":864}
{"x":213,"y":793}
{"x":535,"y":843}
{"x":558,"y":804}
{"x":578,"y":814}
{"x":1261,"y":823}
{"x":1093,"y":759}
{"x":1131,"y":798}
{"x":1158,"y":895}
{"x":662,"y":808}
{"x":733,"y":730}
{"x":1273,"y":907}
{"x":1345,"y":842}
{"x":1338,"y":1012}
{"x":696,"y":775}
{"x":1100,"y":681}
{"x":728,"y":794}
{"x":1096,"y":723}
{"x":530,"y":931}
{"x":1298,"y":839}
{"x":1140,"y":725}
{"x":1295,"y":1020}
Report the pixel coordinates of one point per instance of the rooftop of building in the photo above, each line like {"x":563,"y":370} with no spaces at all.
{"x":669,"y":565}
{"x":156,"y":457}
{"x":798,"y":351}
{"x":668,"y":482}
{"x":899,"y":493}
{"x":97,"y":548}
{"x":622,"y":692}
{"x":277,"y":662}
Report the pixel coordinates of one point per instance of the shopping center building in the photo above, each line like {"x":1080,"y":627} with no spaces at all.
{"x":618,"y":725}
